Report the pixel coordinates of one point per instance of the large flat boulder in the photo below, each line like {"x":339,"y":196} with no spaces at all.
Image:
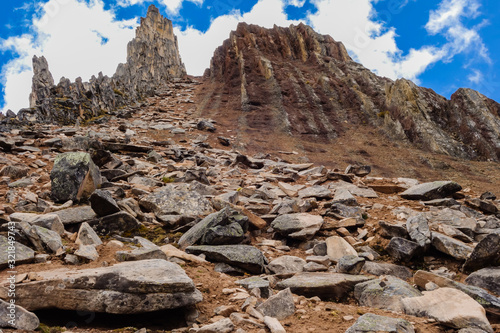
{"x":176,"y":199}
{"x":449,"y":307}
{"x":125,"y":288}
{"x":246,"y":257}
{"x":487,"y":278}
{"x":324,"y":285}
{"x":432,"y":190}
{"x":489,"y":302}
{"x":298,"y":226}
{"x":370,"y":322}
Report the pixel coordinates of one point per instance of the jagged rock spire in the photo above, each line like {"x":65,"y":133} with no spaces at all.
{"x":152,"y":60}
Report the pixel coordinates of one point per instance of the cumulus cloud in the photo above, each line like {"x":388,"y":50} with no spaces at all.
{"x":173,"y":6}
{"x":77,"y":38}
{"x":476,"y":77}
{"x":448,"y":19}
{"x":196,"y":47}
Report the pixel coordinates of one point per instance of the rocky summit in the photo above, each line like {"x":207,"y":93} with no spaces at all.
{"x":154,"y":201}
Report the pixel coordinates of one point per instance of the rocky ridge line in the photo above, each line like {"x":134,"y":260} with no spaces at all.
{"x":305,"y":85}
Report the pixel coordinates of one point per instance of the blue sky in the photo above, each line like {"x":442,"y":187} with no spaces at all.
{"x":440,"y":44}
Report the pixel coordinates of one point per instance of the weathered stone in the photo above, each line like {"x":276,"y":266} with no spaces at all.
{"x":274,"y":325}
{"x":359,"y":170}
{"x":87,"y":236}
{"x":49,"y":238}
{"x":256,"y":282}
{"x":48,"y":221}
{"x":385,"y":292}
{"x":402,"y":249}
{"x":87,"y":252}
{"x":450,"y":246}
{"x":298,"y":226}
{"x":337,"y":247}
{"x":22,"y":319}
{"x":418,"y":230}
{"x":226,"y":226}
{"x":125,"y":288}
{"x":432,"y":190}
{"x":389,"y":230}
{"x":487,"y":278}
{"x":246,"y":257}
{"x":377,"y":268}
{"x":350,"y":264}
{"x":486,"y":253}
{"x":103,"y":203}
{"x":176,"y":199}
{"x":341,"y":211}
{"x":279,"y":306}
{"x":316,"y":191}
{"x":74,"y":177}
{"x":324,"y":285}
{"x":14,"y":171}
{"x":370,"y":322}
{"x":286,"y":265}
{"x":148,"y":250}
{"x":75,"y":215}
{"x":221,"y":326}
{"x":450,"y":307}
{"x":488,"y":301}
{"x":117,"y":223}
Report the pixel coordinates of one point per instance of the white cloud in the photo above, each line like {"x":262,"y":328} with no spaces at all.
{"x":78,"y":39}
{"x":196,"y":47}
{"x":352,"y":22}
{"x":173,"y":6}
{"x":448,"y":19}
{"x":476,"y":76}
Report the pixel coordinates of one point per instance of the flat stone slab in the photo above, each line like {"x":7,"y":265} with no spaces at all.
{"x":176,"y":200}
{"x":23,"y":254}
{"x":370,"y":322}
{"x":431,"y":191}
{"x":125,"y":288}
{"x":246,"y":257}
{"x":322,"y":284}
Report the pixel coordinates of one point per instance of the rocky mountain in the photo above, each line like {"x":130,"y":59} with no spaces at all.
{"x":301,"y":83}
{"x":152,"y":60}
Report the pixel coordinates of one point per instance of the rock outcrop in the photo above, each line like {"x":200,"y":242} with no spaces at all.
{"x":152,"y":60}
{"x":304,"y":84}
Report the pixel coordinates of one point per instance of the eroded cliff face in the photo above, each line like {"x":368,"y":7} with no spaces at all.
{"x":304,"y":84}
{"x":152,"y":60}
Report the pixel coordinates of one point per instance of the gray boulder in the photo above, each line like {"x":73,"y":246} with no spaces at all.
{"x":298,"y":226}
{"x":87,"y":236}
{"x":487,"y":278}
{"x":74,"y":177}
{"x":418,"y":230}
{"x":402,"y":249}
{"x":350,"y":264}
{"x":377,"y":268}
{"x":176,"y":199}
{"x":23,"y":254}
{"x":486,"y":253}
{"x":370,"y":322}
{"x":450,"y":246}
{"x":432,"y":190}
{"x":279,"y":306}
{"x":13,"y":316}
{"x":449,"y":307}
{"x":385,"y":292}
{"x":286,"y":265}
{"x":148,"y":250}
{"x":125,"y":288}
{"x":75,"y":215}
{"x":246,"y":257}
{"x":324,"y":285}
{"x":103,"y":203}
{"x":117,"y":223}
